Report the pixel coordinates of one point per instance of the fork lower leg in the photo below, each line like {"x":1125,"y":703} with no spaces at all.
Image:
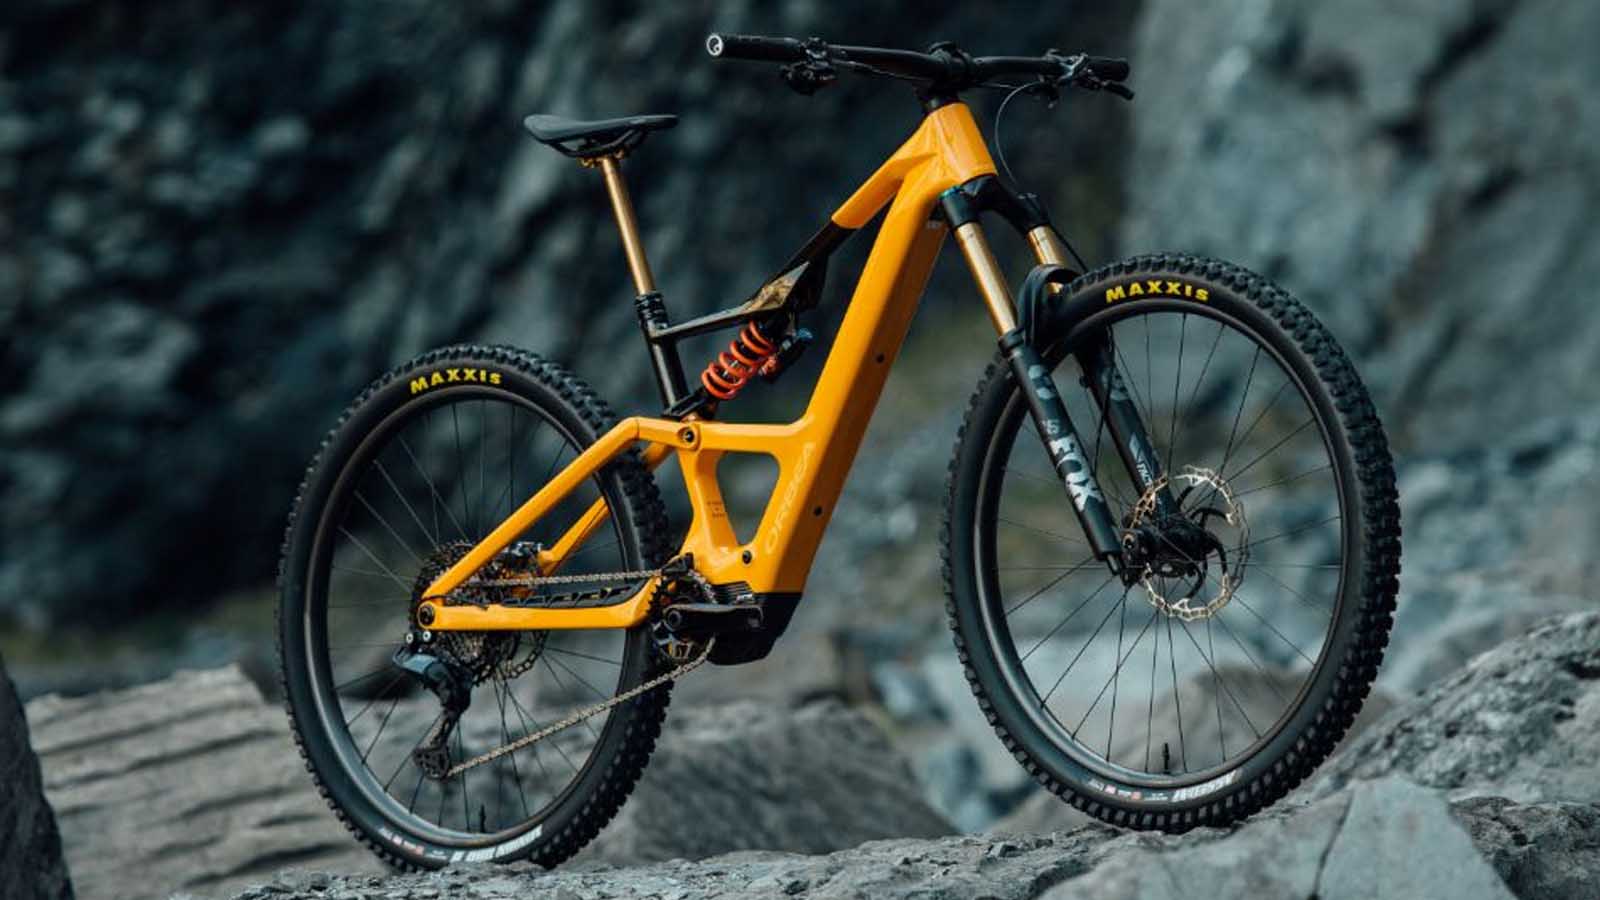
{"x":1063,"y":445}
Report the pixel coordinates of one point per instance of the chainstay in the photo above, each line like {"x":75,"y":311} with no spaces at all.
{"x":555,"y":600}
{"x":582,"y":714}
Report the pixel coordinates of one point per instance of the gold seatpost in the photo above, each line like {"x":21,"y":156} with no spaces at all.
{"x":623,"y":208}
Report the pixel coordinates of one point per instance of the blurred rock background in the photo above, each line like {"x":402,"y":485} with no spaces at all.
{"x":219,"y":221}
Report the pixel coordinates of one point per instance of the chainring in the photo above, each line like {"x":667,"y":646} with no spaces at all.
{"x":686,"y":585}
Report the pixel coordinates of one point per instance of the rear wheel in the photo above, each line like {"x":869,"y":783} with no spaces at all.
{"x":422,"y":466}
{"x":1218,"y":677}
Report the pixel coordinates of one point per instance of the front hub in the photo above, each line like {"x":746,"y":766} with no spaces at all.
{"x":1183,"y":559}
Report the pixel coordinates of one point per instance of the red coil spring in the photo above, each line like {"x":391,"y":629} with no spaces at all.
{"x":733,"y":367}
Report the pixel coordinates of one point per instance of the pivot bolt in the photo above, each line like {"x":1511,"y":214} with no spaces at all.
{"x":746,"y":556}
{"x":425,"y":615}
{"x":686,"y":435}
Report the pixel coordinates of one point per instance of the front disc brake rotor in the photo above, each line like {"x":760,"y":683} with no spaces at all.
{"x":1215,"y":501}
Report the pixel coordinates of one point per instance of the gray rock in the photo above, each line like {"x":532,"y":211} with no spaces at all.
{"x":1380,"y":172}
{"x":31,"y":864}
{"x":1543,"y":850}
{"x":193,"y":782}
{"x":1520,"y":721}
{"x":741,"y":776}
{"x":751,"y":777}
{"x":946,"y":869}
{"x":1496,"y":540}
{"x":1383,"y":839}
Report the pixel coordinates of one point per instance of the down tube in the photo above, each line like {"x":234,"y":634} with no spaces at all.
{"x":852,"y":379}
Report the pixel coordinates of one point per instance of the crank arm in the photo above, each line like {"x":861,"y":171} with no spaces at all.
{"x":1064,"y":447}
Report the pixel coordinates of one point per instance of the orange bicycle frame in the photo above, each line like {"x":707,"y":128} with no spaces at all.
{"x":814,"y":452}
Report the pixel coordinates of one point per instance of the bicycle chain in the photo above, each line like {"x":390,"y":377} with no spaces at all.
{"x":598,"y":708}
{"x":582,"y":714}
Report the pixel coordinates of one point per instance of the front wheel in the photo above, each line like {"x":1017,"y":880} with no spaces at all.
{"x":1211,"y":678}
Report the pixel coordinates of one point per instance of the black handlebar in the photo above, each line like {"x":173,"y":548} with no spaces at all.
{"x":1108,"y":68}
{"x":754,"y":47}
{"x":945,"y":66}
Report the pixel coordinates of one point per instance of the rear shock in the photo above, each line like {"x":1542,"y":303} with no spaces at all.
{"x":725,"y":376}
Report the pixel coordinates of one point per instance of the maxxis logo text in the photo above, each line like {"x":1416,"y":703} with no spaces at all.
{"x":1157,"y":287}
{"x":445,"y":376}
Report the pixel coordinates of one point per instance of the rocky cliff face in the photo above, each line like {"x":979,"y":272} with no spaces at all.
{"x":216,"y":225}
{"x":1421,"y":175}
{"x":31,"y":865}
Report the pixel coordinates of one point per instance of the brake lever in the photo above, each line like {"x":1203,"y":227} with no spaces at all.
{"x":813,"y":73}
{"x":1087,"y":80}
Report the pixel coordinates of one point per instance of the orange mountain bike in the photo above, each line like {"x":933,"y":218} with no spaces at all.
{"x":1170,"y":597}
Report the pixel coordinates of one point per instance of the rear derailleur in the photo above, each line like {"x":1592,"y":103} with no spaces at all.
{"x":452,"y":685}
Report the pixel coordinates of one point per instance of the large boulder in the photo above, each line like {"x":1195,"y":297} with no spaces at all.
{"x":1497,"y":539}
{"x":193,"y":782}
{"x":740,"y":776}
{"x":197,"y":781}
{"x":1385,"y":838}
{"x":751,"y":777}
{"x":1541,"y":850}
{"x":31,"y":864}
{"x":1521,"y":721}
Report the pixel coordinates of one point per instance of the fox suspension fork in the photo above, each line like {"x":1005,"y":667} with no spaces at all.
{"x":1045,"y":406}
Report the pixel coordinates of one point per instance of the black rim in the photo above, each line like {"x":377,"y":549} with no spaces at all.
{"x":1188,"y":369}
{"x":388,"y":513}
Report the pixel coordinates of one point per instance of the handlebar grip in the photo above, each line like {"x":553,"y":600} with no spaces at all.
{"x":754,"y":47}
{"x":1108,"y":68}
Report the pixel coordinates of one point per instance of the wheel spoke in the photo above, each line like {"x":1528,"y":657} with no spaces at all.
{"x":1227,"y":452}
{"x":1194,"y":393}
{"x":1273,"y":628}
{"x":404,"y":544}
{"x":1270,"y":450}
{"x":1266,"y":677}
{"x":1050,"y":584}
{"x":433,"y":492}
{"x":1290,"y":532}
{"x":1282,"y":481}
{"x":505,"y":738}
{"x":370,"y":555}
{"x":1177,"y":696}
{"x":1059,"y":537}
{"x":1297,"y":595}
{"x":1045,"y":700}
{"x":1177,"y":378}
{"x":1070,"y":615}
{"x":384,"y":472}
{"x":1219,"y":681}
